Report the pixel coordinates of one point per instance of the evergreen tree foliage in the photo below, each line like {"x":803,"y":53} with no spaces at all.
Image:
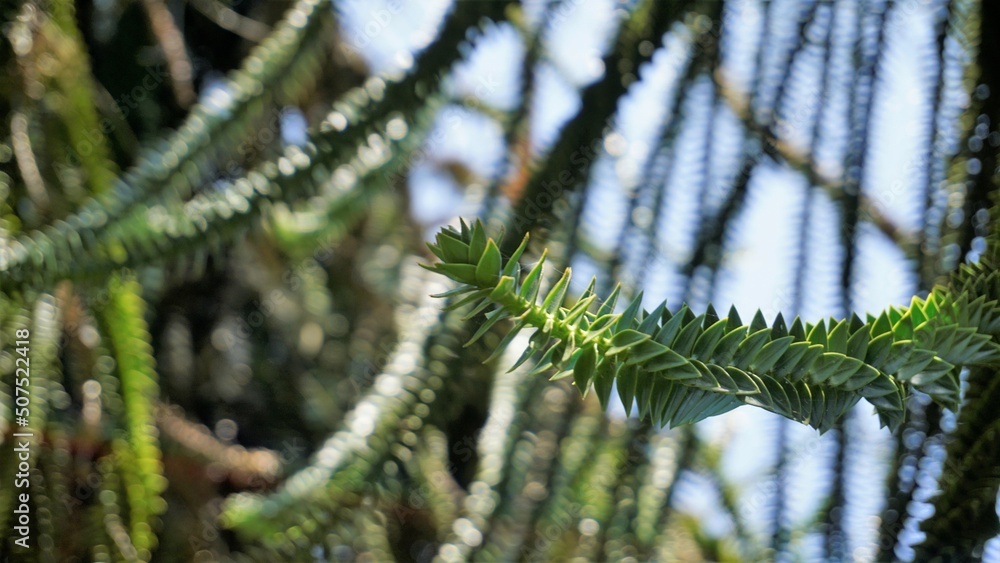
{"x":218,"y":343}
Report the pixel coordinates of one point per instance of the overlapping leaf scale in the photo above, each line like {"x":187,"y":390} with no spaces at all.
{"x":680,"y":367}
{"x":677,"y":368}
{"x":946,"y":330}
{"x":758,"y":365}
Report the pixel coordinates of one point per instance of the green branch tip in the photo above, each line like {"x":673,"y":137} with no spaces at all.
{"x":681,"y":367}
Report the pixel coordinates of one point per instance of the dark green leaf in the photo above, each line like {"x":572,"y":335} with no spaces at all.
{"x":878,"y":350}
{"x":789,"y":361}
{"x":745,"y":385}
{"x":460,"y":290}
{"x":462,"y":273}
{"x":585,"y":368}
{"x":628,"y":380}
{"x":511,"y":334}
{"x":624,"y":340}
{"x":668,"y":332}
{"x":558,"y":292}
{"x":504,"y":289}
{"x":770,"y":354}
{"x":529,"y":288}
{"x":798,"y":330}
{"x":825,"y":366}
{"x":865,"y":375}
{"x":915,"y":362}
{"x":608,"y":306}
{"x":453,"y":250}
{"x":704,"y":347}
{"x":898,"y":355}
{"x":644,"y":351}
{"x":579,"y":308}
{"x":650,"y":322}
{"x":881,"y":325}
{"x":734,"y":319}
{"x":711,"y":316}
{"x":666,"y":361}
{"x":837,"y":339}
{"x":512,"y":265}
{"x":684,"y":343}
{"x":818,"y":334}
{"x":491,"y":319}
{"x":856,"y":323}
{"x":848,"y":367}
{"x":857,"y":345}
{"x":903,"y":329}
{"x":488,"y":269}
{"x":625,"y":321}
{"x":727,"y":347}
{"x":749,"y":348}
{"x":477,"y":243}
{"x":779,"y":330}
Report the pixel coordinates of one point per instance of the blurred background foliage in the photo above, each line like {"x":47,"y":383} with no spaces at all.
{"x":213,"y":210}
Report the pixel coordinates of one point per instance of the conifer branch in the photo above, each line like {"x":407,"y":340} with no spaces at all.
{"x":681,"y":367}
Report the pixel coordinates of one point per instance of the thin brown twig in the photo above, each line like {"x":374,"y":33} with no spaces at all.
{"x":254,"y":466}
{"x":171,"y":41}
{"x":108,"y":107}
{"x":20,"y":140}
{"x":231,"y":20}
{"x":803,"y":162}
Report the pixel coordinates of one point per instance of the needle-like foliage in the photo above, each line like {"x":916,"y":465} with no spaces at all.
{"x":216,"y":341}
{"x":680,"y":368}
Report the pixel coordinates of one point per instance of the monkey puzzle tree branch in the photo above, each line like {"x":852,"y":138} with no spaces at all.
{"x":681,"y":367}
